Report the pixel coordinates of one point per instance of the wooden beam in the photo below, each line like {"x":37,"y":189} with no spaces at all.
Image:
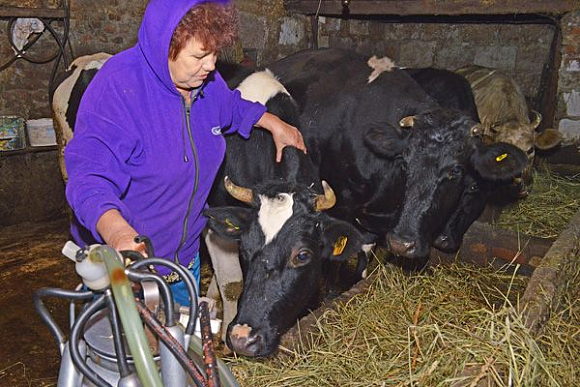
{"x":483,"y":245}
{"x":46,"y":13}
{"x":433,"y":7}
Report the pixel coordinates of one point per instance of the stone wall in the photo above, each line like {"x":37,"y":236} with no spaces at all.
{"x":520,"y":50}
{"x":568,"y":104}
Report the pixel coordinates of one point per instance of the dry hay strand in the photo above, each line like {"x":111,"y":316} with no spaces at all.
{"x":560,"y":338}
{"x":548,"y":209}
{"x":420,"y":330}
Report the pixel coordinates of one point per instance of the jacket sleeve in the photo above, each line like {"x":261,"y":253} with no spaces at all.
{"x":95,"y":160}
{"x":238,"y":115}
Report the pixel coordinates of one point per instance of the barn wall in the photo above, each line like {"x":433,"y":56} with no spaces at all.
{"x":568,"y":103}
{"x":31,"y":188}
{"x":521,"y":50}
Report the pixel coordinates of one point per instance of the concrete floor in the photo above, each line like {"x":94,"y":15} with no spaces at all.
{"x":30,"y":258}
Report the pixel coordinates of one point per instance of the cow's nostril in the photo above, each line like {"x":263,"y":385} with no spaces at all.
{"x":442,"y":242}
{"x":399,"y":246}
{"x":244,"y":341}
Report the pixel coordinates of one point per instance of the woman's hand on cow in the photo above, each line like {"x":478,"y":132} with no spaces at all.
{"x":283,"y":134}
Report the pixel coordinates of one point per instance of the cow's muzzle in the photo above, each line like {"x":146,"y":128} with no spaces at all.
{"x":246,"y":341}
{"x":401,"y":246}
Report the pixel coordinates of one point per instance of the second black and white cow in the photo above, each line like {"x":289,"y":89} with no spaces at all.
{"x":398,"y":161}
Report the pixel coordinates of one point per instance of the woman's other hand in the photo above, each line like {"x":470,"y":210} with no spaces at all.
{"x":283,"y":134}
{"x":117,"y":233}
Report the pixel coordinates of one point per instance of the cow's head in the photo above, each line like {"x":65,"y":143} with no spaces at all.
{"x":441,"y":149}
{"x":525,"y":136}
{"x":286,"y":243}
{"x":470,"y":206}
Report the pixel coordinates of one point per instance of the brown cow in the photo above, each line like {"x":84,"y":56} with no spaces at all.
{"x":504,"y":113}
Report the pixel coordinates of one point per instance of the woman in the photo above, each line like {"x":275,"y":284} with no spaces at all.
{"x":149,"y":134}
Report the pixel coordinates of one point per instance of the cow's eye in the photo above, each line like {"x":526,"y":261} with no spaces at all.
{"x":531,"y":151}
{"x":281,"y":198}
{"x":473,"y":188}
{"x":455,"y":172}
{"x":301,"y":258}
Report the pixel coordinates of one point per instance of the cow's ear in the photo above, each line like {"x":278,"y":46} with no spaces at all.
{"x":500,"y":161}
{"x":385,"y":140}
{"x":228,"y":222}
{"x":341,"y":240}
{"x":548,"y":139}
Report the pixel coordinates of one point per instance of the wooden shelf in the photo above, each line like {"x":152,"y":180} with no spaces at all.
{"x":47,"y":13}
{"x":28,"y":149}
{"x":433,"y":7}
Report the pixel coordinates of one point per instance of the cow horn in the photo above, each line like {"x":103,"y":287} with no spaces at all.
{"x":537,"y":119}
{"x":407,"y":122}
{"x":242,"y":194}
{"x":326,"y":201}
{"x":476,"y":130}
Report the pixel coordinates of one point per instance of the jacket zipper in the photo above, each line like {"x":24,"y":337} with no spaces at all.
{"x":196,"y":166}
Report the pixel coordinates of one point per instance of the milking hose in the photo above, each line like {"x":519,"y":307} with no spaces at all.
{"x":45,"y":315}
{"x":187,"y":277}
{"x":227,"y":379}
{"x":124,"y":369}
{"x":75,"y":336}
{"x":132,"y":324}
{"x":195,"y":344}
{"x":164,"y":290}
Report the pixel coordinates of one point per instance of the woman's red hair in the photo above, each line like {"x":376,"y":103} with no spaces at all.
{"x":214,"y":25}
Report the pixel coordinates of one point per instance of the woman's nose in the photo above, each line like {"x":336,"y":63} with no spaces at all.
{"x":209,"y":63}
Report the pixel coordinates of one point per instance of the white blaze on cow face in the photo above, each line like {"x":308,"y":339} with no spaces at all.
{"x":260,"y":87}
{"x":379,"y":65}
{"x":273,"y":213}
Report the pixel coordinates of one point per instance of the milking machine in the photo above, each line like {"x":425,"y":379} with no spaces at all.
{"x":108,"y":345}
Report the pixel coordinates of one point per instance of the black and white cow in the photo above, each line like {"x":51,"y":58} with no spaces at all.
{"x":398,"y":161}
{"x":66,"y":97}
{"x":286,"y":244}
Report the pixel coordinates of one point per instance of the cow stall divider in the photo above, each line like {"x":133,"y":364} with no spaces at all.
{"x":108,"y":345}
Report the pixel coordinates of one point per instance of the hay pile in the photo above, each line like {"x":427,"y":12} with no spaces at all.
{"x":454,"y":325}
{"x":426,"y":330}
{"x":554,"y":200}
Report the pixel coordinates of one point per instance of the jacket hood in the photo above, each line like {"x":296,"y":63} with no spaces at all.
{"x":159,"y":21}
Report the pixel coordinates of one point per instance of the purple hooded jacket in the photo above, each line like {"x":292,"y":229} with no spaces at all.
{"x":134,"y":151}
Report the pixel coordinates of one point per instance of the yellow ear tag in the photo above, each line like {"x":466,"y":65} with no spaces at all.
{"x":501,"y":157}
{"x":230,"y":224}
{"x":339,"y":245}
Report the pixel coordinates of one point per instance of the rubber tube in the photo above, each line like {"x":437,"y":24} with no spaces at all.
{"x":227,"y":379}
{"x":45,"y":315}
{"x":164,"y":289}
{"x":173,"y":345}
{"x":186,"y":276}
{"x":75,"y":335}
{"x":120,"y":352}
{"x":132,"y":325}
